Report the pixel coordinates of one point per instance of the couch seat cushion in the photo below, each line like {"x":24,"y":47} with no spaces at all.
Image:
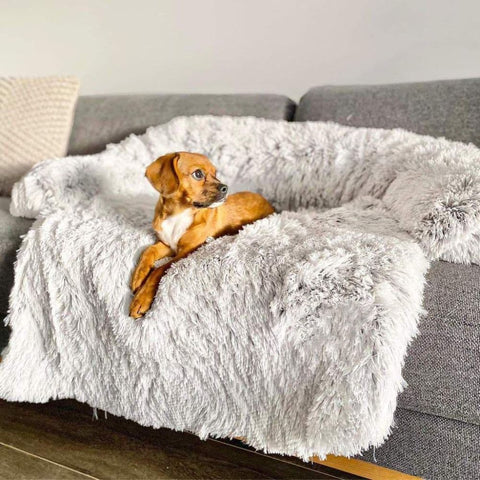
{"x":442,"y":366}
{"x":430,"y":447}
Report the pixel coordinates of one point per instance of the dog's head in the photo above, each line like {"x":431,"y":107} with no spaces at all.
{"x":188,"y":178}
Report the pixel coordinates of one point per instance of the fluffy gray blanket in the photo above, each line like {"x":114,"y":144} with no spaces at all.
{"x":291,"y":334}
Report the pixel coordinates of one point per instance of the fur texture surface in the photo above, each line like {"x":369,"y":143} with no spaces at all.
{"x":292,"y":333}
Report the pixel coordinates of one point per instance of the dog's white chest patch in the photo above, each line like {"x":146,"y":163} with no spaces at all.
{"x":173,"y":228}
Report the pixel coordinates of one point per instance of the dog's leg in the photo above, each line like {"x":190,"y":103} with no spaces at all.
{"x":147,"y":261}
{"x":143,"y":298}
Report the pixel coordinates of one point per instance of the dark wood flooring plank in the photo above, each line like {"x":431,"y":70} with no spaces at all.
{"x":17,"y":465}
{"x":116,"y":448}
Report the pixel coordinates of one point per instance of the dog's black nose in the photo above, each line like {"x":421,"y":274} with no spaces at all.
{"x":222,"y":188}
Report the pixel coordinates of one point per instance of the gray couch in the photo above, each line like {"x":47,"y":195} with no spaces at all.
{"x":437,"y":433}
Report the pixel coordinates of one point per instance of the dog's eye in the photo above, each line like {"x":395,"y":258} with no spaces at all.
{"x":198,"y":174}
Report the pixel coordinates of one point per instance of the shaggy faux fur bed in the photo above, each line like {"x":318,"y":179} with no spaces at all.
{"x":291,"y":334}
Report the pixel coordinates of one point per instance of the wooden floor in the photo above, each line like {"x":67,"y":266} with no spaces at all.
{"x":61,"y":440}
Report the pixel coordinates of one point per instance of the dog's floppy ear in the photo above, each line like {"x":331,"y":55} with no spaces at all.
{"x":162,"y":174}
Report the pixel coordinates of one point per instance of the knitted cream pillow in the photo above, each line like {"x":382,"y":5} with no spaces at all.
{"x":35,"y":121}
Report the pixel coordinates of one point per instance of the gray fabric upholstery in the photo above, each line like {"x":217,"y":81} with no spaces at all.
{"x":444,"y":108}
{"x":10,"y":230}
{"x":11,"y":227}
{"x":438,"y":437}
{"x":100,"y":120}
{"x":431,"y":447}
{"x":443,"y":365}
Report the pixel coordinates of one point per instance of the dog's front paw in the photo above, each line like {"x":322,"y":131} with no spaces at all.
{"x":140,"y":305}
{"x":138,"y":277}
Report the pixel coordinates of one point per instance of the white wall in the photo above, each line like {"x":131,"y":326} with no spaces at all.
{"x":281,"y":46}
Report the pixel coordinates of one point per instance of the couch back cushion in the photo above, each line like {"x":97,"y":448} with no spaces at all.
{"x":449,"y":108}
{"x":103,"y":119}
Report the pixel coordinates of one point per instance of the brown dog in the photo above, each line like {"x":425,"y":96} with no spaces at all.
{"x":193,"y":206}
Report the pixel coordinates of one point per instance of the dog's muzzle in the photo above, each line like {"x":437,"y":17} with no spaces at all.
{"x":222,"y":194}
{"x":217,"y":201}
